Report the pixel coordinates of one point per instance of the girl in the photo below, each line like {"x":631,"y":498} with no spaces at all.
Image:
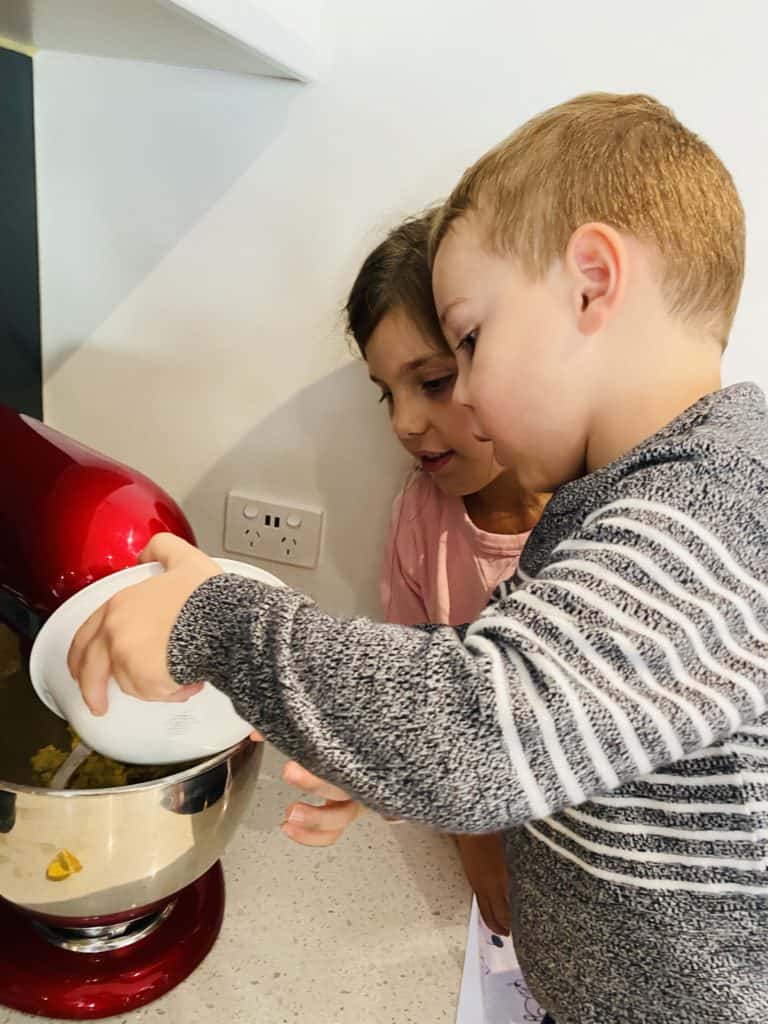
{"x":457,"y":528}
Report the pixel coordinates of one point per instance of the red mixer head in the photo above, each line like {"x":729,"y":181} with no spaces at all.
{"x":70,"y":515}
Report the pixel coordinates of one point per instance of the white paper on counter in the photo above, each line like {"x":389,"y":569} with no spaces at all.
{"x":493,"y":990}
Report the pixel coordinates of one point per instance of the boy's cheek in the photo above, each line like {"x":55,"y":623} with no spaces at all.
{"x":491,"y":401}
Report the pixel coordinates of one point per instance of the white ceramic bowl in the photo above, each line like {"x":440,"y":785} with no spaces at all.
{"x":134,"y":731}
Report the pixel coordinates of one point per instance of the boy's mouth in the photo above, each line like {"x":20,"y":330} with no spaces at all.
{"x":433,"y":462}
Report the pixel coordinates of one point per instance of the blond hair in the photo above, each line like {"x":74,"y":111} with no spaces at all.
{"x":621,"y":160}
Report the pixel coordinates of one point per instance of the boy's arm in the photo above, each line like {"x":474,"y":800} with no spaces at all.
{"x":640,"y":641}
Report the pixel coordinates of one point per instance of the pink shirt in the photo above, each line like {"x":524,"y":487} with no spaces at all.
{"x":438,"y":566}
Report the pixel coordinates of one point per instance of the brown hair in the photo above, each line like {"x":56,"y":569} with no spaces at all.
{"x":396,"y":275}
{"x":628,"y":162}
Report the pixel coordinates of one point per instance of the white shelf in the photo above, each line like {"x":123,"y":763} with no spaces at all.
{"x":225,"y":35}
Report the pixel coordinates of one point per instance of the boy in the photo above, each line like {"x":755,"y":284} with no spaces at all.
{"x":609,"y":707}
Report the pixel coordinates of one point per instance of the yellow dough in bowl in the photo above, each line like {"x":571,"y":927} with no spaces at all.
{"x":96,"y":772}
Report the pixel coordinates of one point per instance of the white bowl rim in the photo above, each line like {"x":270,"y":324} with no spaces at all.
{"x":35,"y":654}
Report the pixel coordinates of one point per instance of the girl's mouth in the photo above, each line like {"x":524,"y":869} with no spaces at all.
{"x":433,"y":462}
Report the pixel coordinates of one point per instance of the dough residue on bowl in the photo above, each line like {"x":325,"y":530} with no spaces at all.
{"x":62,"y":866}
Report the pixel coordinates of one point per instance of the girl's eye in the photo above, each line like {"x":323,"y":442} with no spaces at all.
{"x":438,"y":384}
{"x":385,"y":396}
{"x":468,"y":342}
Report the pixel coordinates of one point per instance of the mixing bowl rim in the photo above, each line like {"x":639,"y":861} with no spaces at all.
{"x":137,"y":787}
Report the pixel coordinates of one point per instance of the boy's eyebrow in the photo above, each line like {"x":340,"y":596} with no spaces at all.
{"x":449,"y":307}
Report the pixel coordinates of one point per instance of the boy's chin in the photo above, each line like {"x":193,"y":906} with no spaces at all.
{"x":508,"y":459}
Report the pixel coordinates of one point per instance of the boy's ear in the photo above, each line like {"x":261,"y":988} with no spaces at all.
{"x":596,"y":264}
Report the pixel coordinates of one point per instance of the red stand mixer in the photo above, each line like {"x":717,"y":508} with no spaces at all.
{"x":148,"y":903}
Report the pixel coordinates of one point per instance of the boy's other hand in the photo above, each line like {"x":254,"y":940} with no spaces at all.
{"x":127,"y":638}
{"x":310,"y":825}
{"x":486,"y":871}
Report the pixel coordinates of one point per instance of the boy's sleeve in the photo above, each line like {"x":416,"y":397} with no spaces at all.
{"x":640,"y":641}
{"x":401,"y":599}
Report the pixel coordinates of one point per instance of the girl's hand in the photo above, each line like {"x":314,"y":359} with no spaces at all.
{"x":127,"y":638}
{"x":317,"y":826}
{"x":486,"y":870}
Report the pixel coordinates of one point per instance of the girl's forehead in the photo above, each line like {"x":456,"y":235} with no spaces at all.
{"x":399,"y":346}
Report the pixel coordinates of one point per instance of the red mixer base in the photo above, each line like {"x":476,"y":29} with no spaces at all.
{"x":38,"y":978}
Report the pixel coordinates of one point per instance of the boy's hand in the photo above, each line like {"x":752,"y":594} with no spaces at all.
{"x":127,"y":638}
{"x":486,"y":871}
{"x":317,"y":826}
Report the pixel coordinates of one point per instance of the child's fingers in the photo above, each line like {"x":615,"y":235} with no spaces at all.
{"x":297,"y":776}
{"x":82,"y":639}
{"x":331,"y":817}
{"x":310,"y":837}
{"x":93,"y":674}
{"x":172,"y":551}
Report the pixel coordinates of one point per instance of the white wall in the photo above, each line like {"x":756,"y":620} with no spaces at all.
{"x":198,"y":231}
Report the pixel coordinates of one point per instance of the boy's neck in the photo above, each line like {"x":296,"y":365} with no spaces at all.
{"x":652,"y":381}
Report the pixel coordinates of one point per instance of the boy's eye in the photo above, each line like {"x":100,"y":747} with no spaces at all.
{"x":386,"y":396}
{"x":468,"y":342}
{"x":438,"y":384}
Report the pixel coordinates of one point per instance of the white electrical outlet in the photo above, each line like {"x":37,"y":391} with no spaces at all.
{"x":272,"y":531}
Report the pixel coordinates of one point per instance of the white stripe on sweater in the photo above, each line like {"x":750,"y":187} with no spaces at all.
{"x":726,"y":557}
{"x":528,"y":781}
{"x":679,"y":618}
{"x":702,"y":574}
{"x":760,"y":753}
{"x":553,"y":658}
{"x":670,"y":585}
{"x":657,"y":884}
{"x":656,"y":856}
{"x":726,"y":779}
{"x":730,"y":711}
{"x":706,"y":734}
{"x":598,"y":757}
{"x":692,"y":807}
{"x":609,"y":673}
{"x":703,"y":755}
{"x":714,"y":835}
{"x":754,"y":730}
{"x":726,"y":750}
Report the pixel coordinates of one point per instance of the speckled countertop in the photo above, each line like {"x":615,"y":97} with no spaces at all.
{"x":371,"y":931}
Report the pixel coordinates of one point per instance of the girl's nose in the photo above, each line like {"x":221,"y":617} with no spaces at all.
{"x":408,"y":421}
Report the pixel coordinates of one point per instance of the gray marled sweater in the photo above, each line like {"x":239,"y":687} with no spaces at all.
{"x":608,"y":710}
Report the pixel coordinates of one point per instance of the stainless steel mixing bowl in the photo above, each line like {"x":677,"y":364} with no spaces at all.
{"x":137,"y":844}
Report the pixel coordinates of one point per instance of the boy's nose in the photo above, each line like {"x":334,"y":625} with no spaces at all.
{"x":460,"y":394}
